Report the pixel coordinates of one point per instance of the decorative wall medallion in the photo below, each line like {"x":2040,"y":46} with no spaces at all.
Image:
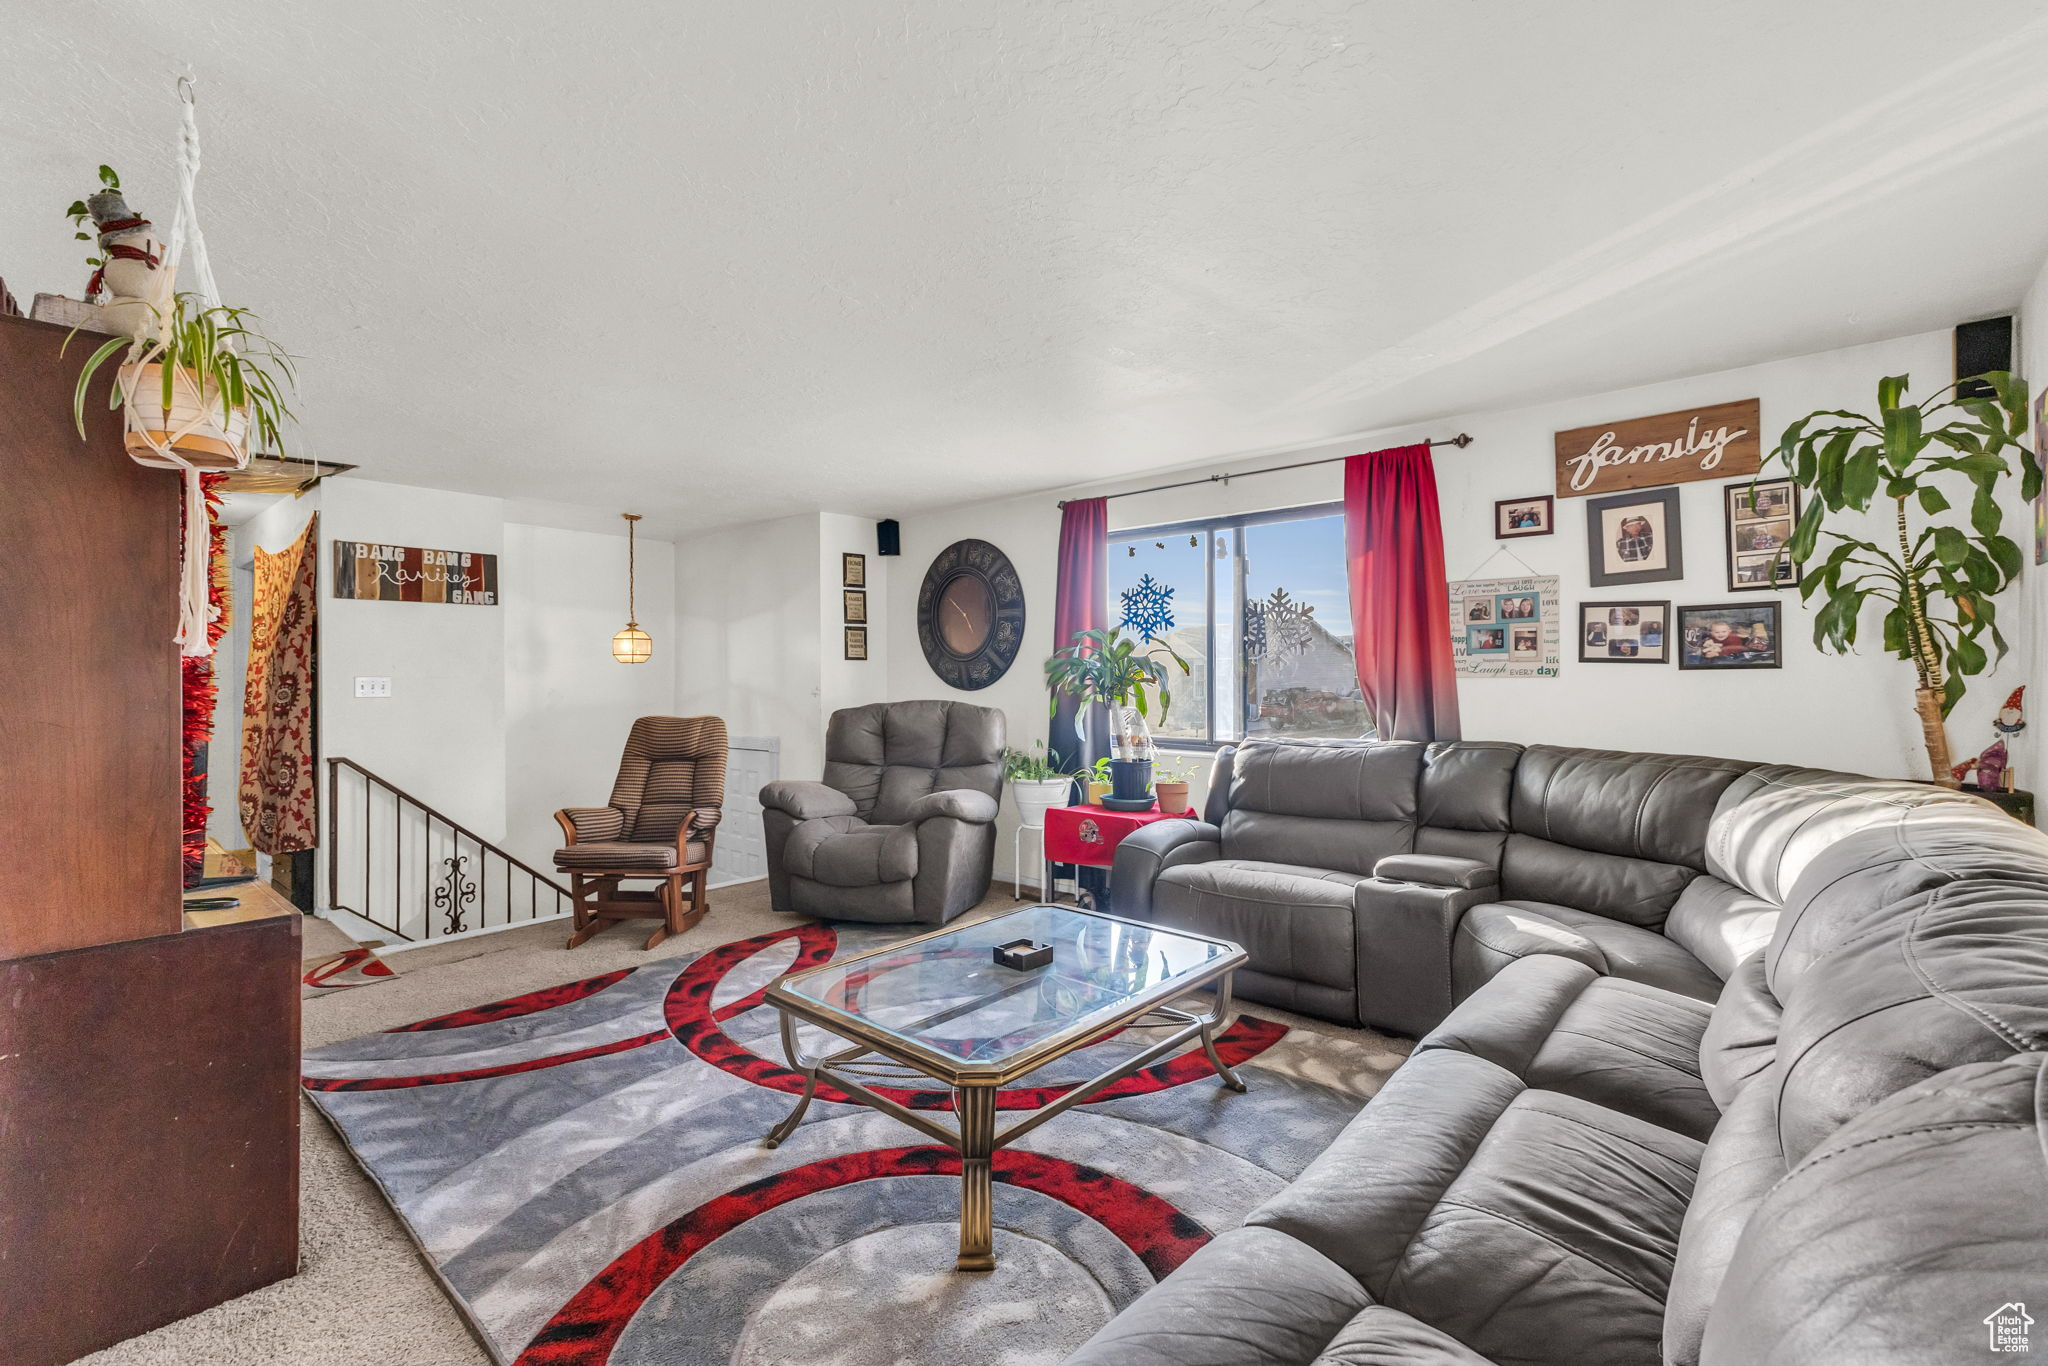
{"x":970,"y":614}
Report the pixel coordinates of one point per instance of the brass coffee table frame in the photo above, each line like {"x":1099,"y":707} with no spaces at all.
{"x":974,"y":1085}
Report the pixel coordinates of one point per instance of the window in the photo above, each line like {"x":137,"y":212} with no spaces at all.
{"x":1259,"y":608}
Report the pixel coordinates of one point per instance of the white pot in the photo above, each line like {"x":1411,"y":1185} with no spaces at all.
{"x":193,"y":426}
{"x":1035,"y":797}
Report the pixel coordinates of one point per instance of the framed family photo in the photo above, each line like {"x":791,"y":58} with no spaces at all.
{"x":1506,"y":628}
{"x":1634,"y":538}
{"x":1760,"y":519}
{"x":1509,"y":624}
{"x":1624,"y":632}
{"x":1534,"y":516}
{"x":1741,"y":635}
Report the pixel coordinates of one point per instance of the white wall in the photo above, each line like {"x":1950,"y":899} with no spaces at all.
{"x":847,"y":682}
{"x":759,"y":616}
{"x":441,"y":733}
{"x":568,"y":703}
{"x":748,"y":627}
{"x":2030,"y":766}
{"x":1852,"y":713}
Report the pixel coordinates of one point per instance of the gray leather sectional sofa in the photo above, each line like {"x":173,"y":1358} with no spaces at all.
{"x":1838,"y":1159}
{"x":1381,"y":883}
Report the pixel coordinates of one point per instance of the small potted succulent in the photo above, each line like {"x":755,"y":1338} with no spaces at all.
{"x":1035,"y":785}
{"x":1120,"y":673}
{"x":1171,"y":780}
{"x":1097,"y":780}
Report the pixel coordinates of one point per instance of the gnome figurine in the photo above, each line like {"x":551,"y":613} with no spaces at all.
{"x":1992,"y":763}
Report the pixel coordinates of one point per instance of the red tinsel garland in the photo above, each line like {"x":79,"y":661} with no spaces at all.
{"x":200,"y":691}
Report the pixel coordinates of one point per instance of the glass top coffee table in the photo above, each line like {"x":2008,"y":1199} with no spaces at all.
{"x":939,"y":1006}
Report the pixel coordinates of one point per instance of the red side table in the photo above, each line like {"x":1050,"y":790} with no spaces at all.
{"x":1089,"y":835}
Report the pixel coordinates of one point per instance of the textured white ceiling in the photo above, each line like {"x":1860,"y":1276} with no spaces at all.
{"x":719,"y":262}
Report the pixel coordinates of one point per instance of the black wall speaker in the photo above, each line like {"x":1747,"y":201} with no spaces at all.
{"x":889,"y":536}
{"x":1982,"y":347}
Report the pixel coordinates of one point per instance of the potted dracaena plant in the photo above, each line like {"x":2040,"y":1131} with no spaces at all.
{"x":1940,"y":570}
{"x":1107,"y":667}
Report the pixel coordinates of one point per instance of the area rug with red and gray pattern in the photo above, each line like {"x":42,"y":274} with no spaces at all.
{"x":583,"y":1167}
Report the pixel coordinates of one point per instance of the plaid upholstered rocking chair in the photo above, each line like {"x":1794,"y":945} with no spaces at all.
{"x":659,"y":825}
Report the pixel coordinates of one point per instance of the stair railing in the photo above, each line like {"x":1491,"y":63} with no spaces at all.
{"x":421,"y":875}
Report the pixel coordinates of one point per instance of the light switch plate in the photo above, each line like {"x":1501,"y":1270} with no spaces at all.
{"x":373,"y":687}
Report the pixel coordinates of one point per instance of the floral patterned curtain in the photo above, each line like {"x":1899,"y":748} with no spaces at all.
{"x":278,"y":793}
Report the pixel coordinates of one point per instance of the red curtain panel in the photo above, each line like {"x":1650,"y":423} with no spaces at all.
{"x":278,"y":792}
{"x":1400,"y":600}
{"x":1080,"y":605}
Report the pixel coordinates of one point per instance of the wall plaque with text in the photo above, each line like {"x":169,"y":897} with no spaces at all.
{"x":1721,"y":442}
{"x":406,"y":573}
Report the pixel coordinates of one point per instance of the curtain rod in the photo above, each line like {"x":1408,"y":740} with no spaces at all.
{"x":1461,"y":440}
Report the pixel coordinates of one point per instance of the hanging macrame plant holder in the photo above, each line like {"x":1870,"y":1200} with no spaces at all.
{"x":182,"y":424}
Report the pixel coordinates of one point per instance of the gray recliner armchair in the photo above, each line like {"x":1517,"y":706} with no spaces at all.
{"x":902,"y":829}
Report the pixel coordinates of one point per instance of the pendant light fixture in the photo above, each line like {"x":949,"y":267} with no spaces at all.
{"x":632,"y":645}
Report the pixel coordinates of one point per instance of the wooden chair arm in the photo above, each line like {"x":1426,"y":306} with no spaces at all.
{"x":568,"y":826}
{"x":708,"y":839}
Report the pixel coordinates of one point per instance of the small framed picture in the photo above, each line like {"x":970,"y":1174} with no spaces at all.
{"x":1634,"y":537}
{"x":1741,"y":635}
{"x":1486,"y":640}
{"x":1518,"y":606}
{"x":1533,"y":516}
{"x":1479,"y":610}
{"x":855,"y":603}
{"x":1761,"y":516}
{"x":856,"y":642}
{"x":1624,"y":632}
{"x":853,"y":571}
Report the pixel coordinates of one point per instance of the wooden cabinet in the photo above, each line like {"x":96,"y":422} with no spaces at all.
{"x":148,"y":1095}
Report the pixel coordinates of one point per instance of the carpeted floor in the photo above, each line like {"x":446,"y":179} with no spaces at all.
{"x":363,"y":1294}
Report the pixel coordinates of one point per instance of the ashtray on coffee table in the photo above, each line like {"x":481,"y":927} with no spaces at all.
{"x":938,"y":1006}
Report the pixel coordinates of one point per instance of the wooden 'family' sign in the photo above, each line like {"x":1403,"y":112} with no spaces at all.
{"x":1720,"y":442}
{"x":406,"y":573}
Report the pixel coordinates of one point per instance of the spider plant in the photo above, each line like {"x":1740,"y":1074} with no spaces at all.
{"x":233,"y":365}
{"x":1032,"y":766}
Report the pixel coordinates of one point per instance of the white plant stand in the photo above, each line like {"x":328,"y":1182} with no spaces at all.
{"x":1037,"y":834}
{"x":1033,"y":798}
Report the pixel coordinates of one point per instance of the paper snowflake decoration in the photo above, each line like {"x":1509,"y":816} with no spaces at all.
{"x":1148,"y":609}
{"x":1283,"y":626}
{"x":1255,"y":630}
